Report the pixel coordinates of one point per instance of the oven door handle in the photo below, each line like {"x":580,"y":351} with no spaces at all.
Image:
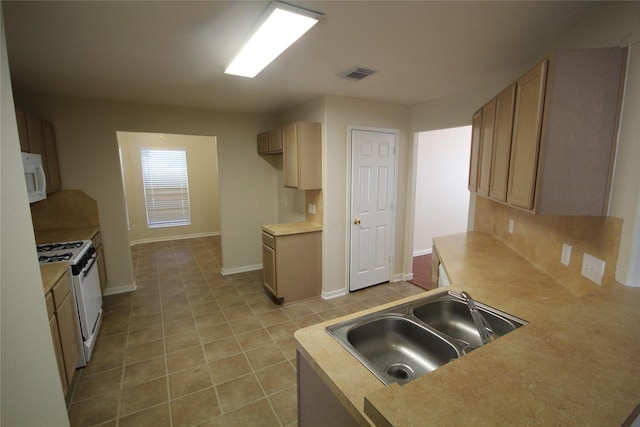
{"x":94,"y":261}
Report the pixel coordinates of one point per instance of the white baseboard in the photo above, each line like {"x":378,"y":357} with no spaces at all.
{"x":423,"y":252}
{"x":165,"y":239}
{"x":243,"y":269}
{"x":334,"y":294}
{"x":114,"y":290}
{"x":407,"y":277}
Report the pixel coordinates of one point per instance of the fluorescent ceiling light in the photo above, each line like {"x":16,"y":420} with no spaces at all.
{"x":278,"y":28}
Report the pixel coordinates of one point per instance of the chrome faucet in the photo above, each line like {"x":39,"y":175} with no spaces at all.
{"x":485,"y":331}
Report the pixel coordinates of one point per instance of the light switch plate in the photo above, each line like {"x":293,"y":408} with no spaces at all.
{"x":511,"y":223}
{"x":312,"y":208}
{"x":593,"y":268}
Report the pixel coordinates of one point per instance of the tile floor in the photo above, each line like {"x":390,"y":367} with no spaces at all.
{"x":193,"y":347}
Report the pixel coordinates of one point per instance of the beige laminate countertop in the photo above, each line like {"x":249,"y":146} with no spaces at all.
{"x":66,"y":234}
{"x":577,"y":362}
{"x":51,"y":273}
{"x":286,"y":228}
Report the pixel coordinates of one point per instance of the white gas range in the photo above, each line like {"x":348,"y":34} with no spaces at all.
{"x":82,"y":259}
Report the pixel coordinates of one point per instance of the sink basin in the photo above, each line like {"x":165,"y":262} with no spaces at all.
{"x":409,"y":340}
{"x":452,"y":318}
{"x":399,"y":349}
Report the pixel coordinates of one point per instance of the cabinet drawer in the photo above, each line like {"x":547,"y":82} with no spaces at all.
{"x":97,"y":240}
{"x":48,"y":299}
{"x":61,"y":289}
{"x":269,"y":240}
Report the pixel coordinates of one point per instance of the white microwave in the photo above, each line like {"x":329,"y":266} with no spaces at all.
{"x":34,"y":176}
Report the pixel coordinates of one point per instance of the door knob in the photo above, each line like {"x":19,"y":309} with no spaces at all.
{"x":356,"y":221}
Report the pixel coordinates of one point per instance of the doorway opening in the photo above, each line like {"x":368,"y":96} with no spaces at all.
{"x":170,"y":185}
{"x":441,"y":168}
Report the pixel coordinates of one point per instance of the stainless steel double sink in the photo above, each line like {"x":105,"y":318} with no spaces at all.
{"x":404,"y":342}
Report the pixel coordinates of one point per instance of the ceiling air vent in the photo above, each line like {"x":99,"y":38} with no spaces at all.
{"x":358,"y":73}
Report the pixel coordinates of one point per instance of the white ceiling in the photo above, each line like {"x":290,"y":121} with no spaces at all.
{"x":173,"y":53}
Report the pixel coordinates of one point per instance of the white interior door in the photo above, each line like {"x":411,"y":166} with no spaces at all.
{"x":373,"y":162}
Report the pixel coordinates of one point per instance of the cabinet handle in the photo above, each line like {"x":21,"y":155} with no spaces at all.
{"x":356,"y":221}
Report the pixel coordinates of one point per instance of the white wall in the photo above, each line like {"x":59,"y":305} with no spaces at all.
{"x":88,"y":154}
{"x":441,"y":193}
{"x":30,"y":389}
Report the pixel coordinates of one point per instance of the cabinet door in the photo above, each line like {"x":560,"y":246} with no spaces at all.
{"x":54,"y":182}
{"x":263,"y":143}
{"x":525,"y":143}
{"x":36,"y":137}
{"x":486,"y":147}
{"x":275,"y":141}
{"x":269,"y":268}
{"x":55,"y":335}
{"x":475,"y":150}
{"x":505,"y":102}
{"x":102,"y":268}
{"x":290,"y":156}
{"x":67,"y":324}
{"x":21,"y":119}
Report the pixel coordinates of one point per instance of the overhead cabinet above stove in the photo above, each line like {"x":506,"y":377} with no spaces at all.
{"x":546,"y":144}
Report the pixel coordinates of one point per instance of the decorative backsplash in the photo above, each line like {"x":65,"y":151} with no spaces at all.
{"x":539,"y":238}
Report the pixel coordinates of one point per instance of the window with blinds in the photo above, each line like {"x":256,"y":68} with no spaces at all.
{"x":166,"y":187}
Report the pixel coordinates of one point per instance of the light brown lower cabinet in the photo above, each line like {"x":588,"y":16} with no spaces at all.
{"x":292,"y":265}
{"x":63,"y":320}
{"x":102,"y":267}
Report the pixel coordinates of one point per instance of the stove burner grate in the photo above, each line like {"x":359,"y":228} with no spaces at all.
{"x":59,"y":246}
{"x":55,"y":258}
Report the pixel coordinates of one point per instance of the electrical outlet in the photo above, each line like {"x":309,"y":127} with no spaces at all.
{"x":312,"y":208}
{"x":566,"y":254}
{"x":511,"y":223}
{"x":593,"y":268}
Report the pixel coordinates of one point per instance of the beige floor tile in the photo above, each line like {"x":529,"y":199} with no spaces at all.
{"x":282,"y":331}
{"x":105,"y":361}
{"x":214,"y":333}
{"x":254,"y":339}
{"x":182,"y":341}
{"x":228,"y":347}
{"x":262,"y":357}
{"x":94,"y":411}
{"x":220,"y":349}
{"x":144,"y":371}
{"x":226,"y":369}
{"x":180,"y":326}
{"x":145,"y":335}
{"x":94,"y":385}
{"x":184,"y":359}
{"x":144,"y":351}
{"x":285,"y":405}
{"x":189,"y":381}
{"x":194,"y":408}
{"x":245,"y":324}
{"x":157,"y":416}
{"x":239,"y":392}
{"x":277,"y":377}
{"x":143,"y":396}
{"x":255,"y":414}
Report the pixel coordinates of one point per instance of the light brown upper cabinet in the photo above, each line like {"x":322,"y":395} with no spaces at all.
{"x":505,"y":102}
{"x":270,"y":142}
{"x":38,"y":136}
{"x":563,"y":134}
{"x":54,"y":183}
{"x":486,"y":146}
{"x":21,"y":119}
{"x":302,"y":156}
{"x":476,"y":130}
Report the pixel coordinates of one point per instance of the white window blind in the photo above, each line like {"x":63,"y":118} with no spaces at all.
{"x":166,"y":187}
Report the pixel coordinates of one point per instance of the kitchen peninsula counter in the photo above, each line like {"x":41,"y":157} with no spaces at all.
{"x":576,"y":363}
{"x":51,"y":273}
{"x":286,"y":228}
